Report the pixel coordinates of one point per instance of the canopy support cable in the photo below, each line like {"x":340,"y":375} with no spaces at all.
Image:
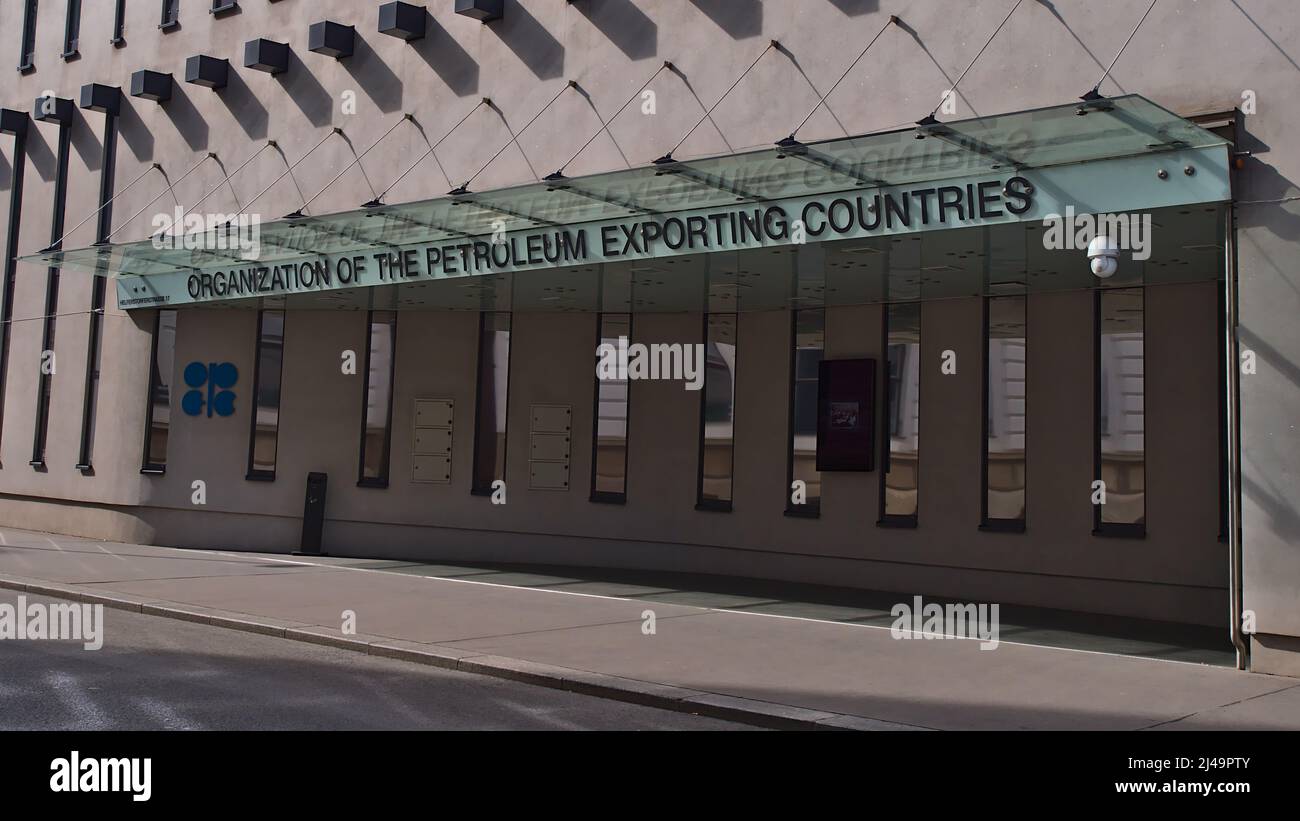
{"x":170,"y":185}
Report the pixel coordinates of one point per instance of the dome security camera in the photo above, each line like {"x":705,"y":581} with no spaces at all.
{"x":1103,"y":257}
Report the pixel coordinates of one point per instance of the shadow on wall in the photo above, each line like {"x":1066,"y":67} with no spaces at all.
{"x":738,"y":18}
{"x":625,"y":25}
{"x":186,"y":119}
{"x":1271,"y":215}
{"x":87,"y":145}
{"x":1281,"y":515}
{"x":356,"y":166}
{"x":1267,"y":36}
{"x":1264,"y":183}
{"x":704,"y":107}
{"x":812,"y":88}
{"x":915,"y":35}
{"x":137,"y":136}
{"x":420,"y":159}
{"x":243,"y":105}
{"x":530,"y":41}
{"x":1101,"y":67}
{"x":1269,"y":355}
{"x":853,"y":8}
{"x":288,"y":179}
{"x":612,"y":139}
{"x":40,"y":153}
{"x":446,"y":58}
{"x":373,"y":76}
{"x":307,"y":93}
{"x":225,"y":183}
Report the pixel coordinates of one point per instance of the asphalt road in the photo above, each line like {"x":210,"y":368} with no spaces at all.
{"x":159,"y":673}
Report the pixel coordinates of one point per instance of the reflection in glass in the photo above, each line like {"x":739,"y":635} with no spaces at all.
{"x":809,"y":346}
{"x":162,"y":369}
{"x":1004,"y":397}
{"x":493,"y":395}
{"x":717,"y":430}
{"x":266,"y":411}
{"x":1121,"y":397}
{"x":902,"y":431}
{"x":381,"y":348}
{"x":609,"y":480}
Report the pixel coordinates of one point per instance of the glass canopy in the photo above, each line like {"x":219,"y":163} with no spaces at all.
{"x":1187,"y":245}
{"x":1107,"y":128}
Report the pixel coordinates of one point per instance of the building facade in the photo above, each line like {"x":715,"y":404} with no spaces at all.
{"x":903,"y":383}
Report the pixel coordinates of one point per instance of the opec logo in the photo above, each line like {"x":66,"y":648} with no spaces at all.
{"x":211,"y":384}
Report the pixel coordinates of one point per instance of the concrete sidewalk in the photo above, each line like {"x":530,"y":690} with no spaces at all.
{"x":759,"y":665}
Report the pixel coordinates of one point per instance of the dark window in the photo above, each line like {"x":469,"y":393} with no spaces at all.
{"x":265,"y":432}
{"x":10,"y":259}
{"x":97,"y":291}
{"x":27,"y":54}
{"x":119,"y":22}
{"x":493,"y":400}
{"x":48,"y":363}
{"x":91,"y":391}
{"x":171,"y":10}
{"x":162,"y":368}
{"x":219,"y":6}
{"x":377,"y":410}
{"x":609,"y":434}
{"x":899,"y":486}
{"x":72,"y":29}
{"x":808,"y":345}
{"x":1223,"y":410}
{"x":1005,"y":375}
{"x":1120,"y":449}
{"x":717,"y":413}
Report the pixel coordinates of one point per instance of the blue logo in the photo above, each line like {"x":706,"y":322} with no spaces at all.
{"x":218,"y":377}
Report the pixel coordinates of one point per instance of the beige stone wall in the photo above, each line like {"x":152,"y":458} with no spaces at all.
{"x":1187,"y":56}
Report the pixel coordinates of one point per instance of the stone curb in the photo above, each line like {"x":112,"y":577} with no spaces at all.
{"x":649,"y":694}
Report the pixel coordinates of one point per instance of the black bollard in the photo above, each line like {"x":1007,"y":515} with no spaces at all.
{"x":313,"y":515}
